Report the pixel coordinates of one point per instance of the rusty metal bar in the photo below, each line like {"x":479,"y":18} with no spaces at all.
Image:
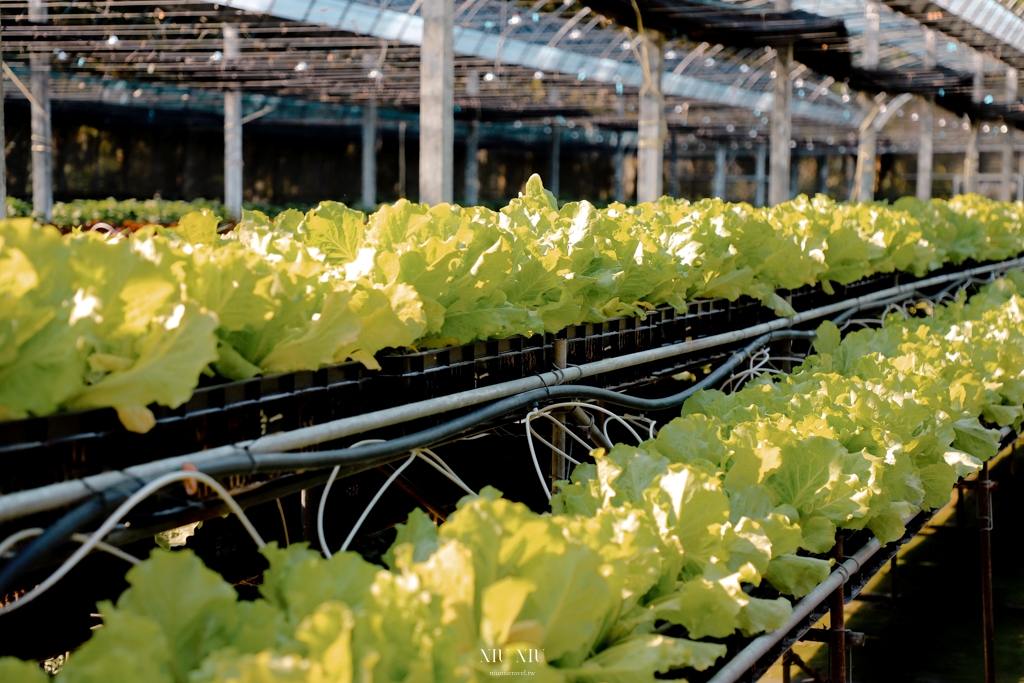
{"x":837,"y":646}
{"x":559,"y":465}
{"x":893,"y":578}
{"x":794,"y":658}
{"x":984,"y":497}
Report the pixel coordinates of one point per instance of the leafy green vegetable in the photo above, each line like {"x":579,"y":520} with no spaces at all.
{"x":301,"y":291}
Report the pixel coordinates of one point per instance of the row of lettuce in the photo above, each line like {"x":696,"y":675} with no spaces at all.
{"x":127,"y":212}
{"x":90,"y":322}
{"x":649,"y":551}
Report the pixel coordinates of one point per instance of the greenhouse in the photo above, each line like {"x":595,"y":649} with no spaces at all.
{"x":435,"y":341}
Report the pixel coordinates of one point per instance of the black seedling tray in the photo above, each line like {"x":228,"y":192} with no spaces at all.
{"x":39,"y":451}
{"x":64,"y":446}
{"x":416,"y":376}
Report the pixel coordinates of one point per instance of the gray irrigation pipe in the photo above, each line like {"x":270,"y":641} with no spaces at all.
{"x":23,"y":503}
{"x":751,"y":654}
{"x":758,"y":648}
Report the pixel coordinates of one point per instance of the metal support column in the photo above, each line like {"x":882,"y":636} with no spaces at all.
{"x":925,"y":153}
{"x":559,"y":465}
{"x":1006,"y":181}
{"x":473,"y":144}
{"x":403,"y":191}
{"x":652,"y":120}
{"x":620,"y":166}
{"x":309,"y":500}
{"x":971,"y":158}
{"x":984,"y":493}
{"x":794,"y":176}
{"x":3,"y":148}
{"x":232,"y":133}
{"x":837,"y":631}
{"x":473,"y":163}
{"x":760,"y":162}
{"x":556,"y":158}
{"x":850,"y":175}
{"x":718,"y":186}
{"x":437,"y":102}
{"x":673,"y":169}
{"x":926,"y":127}
{"x":867,"y":142}
{"x":555,"y":171}
{"x":42,"y":133}
{"x":782,"y":121}
{"x":823,"y":174}
{"x":370,"y":153}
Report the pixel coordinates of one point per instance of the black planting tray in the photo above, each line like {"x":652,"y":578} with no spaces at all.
{"x":38,"y":451}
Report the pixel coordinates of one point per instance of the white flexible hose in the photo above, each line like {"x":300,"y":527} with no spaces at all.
{"x":96,"y":538}
{"x":435,"y":461}
{"x":14,"y":538}
{"x":425,"y":454}
{"x":323,"y":499}
{"x":366,"y":512}
{"x":533,"y":455}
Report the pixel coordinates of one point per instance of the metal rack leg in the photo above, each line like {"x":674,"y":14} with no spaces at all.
{"x":310,"y":501}
{"x":960,"y":505}
{"x":894,"y":590}
{"x":559,"y":466}
{"x":837,"y":644}
{"x":787,"y":667}
{"x":984,"y":494}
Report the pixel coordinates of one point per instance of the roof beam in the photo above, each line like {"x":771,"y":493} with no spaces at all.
{"x":357,"y":17}
{"x":990,"y":17}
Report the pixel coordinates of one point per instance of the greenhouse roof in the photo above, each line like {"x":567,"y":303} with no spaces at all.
{"x":527,"y":61}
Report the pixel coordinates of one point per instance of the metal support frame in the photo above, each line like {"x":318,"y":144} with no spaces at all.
{"x":673,"y":167}
{"x":926,"y":126}
{"x":1006,"y":181}
{"x":41,"y":128}
{"x":837,"y":619}
{"x":760,"y":173}
{"x":718,"y":185}
{"x":369,"y":185}
{"x":472,"y":180}
{"x":232,"y":132}
{"x":650,"y":147}
{"x":925,"y":150}
{"x":556,"y":158}
{"x":473,"y":163}
{"x":984,"y":498}
{"x":309,"y":501}
{"x":867,"y":141}
{"x":823,"y":174}
{"x":620,"y":167}
{"x":794,"y":175}
{"x":3,"y":154}
{"x":437,"y":102}
{"x":781,"y":122}
{"x":555,"y":169}
{"x":559,"y":465}
{"x":403,"y":190}
{"x":867,"y":144}
{"x":971,"y":157}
